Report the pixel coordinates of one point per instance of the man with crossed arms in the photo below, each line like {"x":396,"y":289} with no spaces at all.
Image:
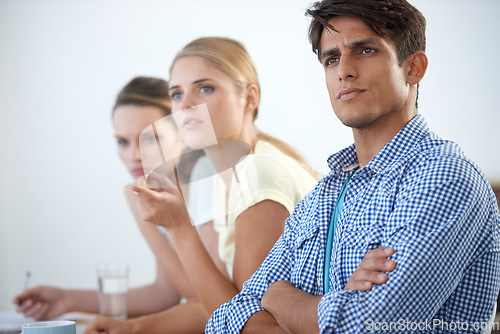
{"x":399,"y":187}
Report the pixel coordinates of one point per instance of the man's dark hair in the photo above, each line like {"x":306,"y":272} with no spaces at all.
{"x":396,"y":19}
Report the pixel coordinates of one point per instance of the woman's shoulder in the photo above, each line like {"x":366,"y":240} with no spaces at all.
{"x":269,"y":169}
{"x":271,"y":161}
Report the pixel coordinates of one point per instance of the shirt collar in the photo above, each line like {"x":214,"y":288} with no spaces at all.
{"x":405,"y":139}
{"x":343,"y":160}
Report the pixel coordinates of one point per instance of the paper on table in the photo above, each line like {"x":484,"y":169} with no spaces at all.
{"x":11,"y":320}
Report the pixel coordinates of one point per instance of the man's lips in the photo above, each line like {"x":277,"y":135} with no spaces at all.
{"x":349,"y":93}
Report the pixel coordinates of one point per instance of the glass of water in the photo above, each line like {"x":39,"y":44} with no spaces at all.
{"x":112,"y":280}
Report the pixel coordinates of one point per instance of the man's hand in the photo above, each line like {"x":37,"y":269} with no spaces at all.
{"x":296,"y":311}
{"x":370,"y":270}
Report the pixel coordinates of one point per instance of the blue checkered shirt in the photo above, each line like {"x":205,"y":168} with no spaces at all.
{"x":419,"y":195}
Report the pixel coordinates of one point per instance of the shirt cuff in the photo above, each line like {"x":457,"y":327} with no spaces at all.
{"x":232,"y":316}
{"x":330,"y":307}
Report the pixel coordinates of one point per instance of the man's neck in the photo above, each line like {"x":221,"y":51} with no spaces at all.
{"x":369,"y":141}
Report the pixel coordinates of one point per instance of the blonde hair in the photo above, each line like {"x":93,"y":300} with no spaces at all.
{"x":231,"y":58}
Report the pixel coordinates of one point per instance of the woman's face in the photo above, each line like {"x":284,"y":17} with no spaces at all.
{"x":194,"y":81}
{"x":136,"y":142}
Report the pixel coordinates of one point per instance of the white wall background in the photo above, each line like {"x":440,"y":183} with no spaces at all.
{"x":62,"y":63}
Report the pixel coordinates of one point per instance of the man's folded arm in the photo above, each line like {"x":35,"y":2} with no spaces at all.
{"x":233,"y":315}
{"x":444,"y":230}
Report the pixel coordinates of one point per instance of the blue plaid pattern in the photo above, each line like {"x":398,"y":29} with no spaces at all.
{"x":419,"y":195}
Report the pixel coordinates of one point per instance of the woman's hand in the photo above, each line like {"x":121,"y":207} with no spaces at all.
{"x":164,"y":206}
{"x":109,"y":326}
{"x":42,"y":302}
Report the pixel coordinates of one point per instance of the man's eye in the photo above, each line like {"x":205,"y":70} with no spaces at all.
{"x":331,"y":61}
{"x":368,"y":50}
{"x":122,"y":142}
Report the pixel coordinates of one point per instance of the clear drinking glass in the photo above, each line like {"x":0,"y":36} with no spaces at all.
{"x":112,"y":280}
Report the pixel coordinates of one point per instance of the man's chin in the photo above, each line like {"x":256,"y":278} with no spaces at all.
{"x":355,"y":123}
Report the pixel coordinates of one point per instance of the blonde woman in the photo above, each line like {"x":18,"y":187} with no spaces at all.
{"x":219,"y":73}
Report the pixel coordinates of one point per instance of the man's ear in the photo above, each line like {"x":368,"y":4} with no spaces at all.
{"x":417,"y":63}
{"x":252,"y":98}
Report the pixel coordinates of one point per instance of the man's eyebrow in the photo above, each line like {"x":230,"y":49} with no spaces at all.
{"x":352,"y":45}
{"x":361,"y":42}
{"x":330,"y":52}
{"x":194,"y":82}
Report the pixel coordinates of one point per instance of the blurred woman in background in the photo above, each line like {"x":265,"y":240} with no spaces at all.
{"x":142,"y":102}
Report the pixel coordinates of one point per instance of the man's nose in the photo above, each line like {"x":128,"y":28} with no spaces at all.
{"x":346,"y":68}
